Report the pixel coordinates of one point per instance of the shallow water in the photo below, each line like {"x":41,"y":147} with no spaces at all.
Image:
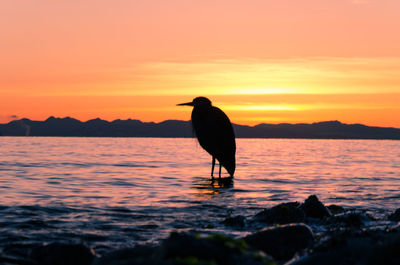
{"x":113,"y":192}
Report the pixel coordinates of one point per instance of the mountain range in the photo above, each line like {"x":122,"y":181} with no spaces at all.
{"x":175,"y":128}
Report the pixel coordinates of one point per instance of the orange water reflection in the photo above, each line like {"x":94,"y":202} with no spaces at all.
{"x":143,"y":172}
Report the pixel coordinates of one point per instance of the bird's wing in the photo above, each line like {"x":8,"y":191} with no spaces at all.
{"x":214,"y":131}
{"x":204,"y":124}
{"x":224,"y":133}
{"x":225,"y":138}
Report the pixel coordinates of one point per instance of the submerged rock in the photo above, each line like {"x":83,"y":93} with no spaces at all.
{"x":63,"y":254}
{"x":335,"y":209}
{"x":132,"y":256}
{"x":18,"y":251}
{"x":312,"y":207}
{"x":395,"y":216}
{"x":236,"y":221}
{"x":351,"y":248}
{"x":283,"y":213}
{"x":351,"y":219}
{"x":282,"y":242}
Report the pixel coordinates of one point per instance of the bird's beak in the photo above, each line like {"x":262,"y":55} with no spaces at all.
{"x":186,"y":104}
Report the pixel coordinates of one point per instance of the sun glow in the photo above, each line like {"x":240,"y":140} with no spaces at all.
{"x":138,"y":59}
{"x":260,"y":91}
{"x":262,"y":107}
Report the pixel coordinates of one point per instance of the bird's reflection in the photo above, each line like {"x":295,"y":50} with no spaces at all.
{"x":207,"y":188}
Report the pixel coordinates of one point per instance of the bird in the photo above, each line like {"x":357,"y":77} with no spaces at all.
{"x":214,"y":132}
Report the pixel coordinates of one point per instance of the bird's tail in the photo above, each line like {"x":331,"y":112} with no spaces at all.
{"x":230,"y":166}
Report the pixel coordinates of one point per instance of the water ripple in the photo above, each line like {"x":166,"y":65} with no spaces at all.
{"x":115,"y":192}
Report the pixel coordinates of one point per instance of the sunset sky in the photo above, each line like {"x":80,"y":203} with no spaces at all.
{"x":259,"y":60}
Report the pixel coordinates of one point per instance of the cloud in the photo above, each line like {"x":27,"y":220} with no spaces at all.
{"x":325,"y":75}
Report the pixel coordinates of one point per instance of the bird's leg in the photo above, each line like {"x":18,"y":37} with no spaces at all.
{"x":219,"y":170}
{"x":212,"y":167}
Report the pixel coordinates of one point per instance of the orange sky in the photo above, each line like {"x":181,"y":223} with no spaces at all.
{"x":259,"y":60}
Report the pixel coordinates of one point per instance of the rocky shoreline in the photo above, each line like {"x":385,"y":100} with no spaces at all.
{"x":291,"y":233}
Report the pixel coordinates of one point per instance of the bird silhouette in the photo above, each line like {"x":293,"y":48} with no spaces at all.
{"x":215,"y":133}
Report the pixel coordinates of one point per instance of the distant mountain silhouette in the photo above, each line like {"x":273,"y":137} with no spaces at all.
{"x":174,"y":128}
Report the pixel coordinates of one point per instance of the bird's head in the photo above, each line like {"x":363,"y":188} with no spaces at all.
{"x":199,"y":101}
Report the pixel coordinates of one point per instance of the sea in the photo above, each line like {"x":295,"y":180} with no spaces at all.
{"x":113,"y":193}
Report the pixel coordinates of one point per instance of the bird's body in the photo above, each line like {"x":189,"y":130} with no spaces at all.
{"x":215,"y":133}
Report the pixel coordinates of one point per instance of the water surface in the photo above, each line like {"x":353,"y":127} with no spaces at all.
{"x":113,"y":192}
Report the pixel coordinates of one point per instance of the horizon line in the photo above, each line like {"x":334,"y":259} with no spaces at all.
{"x":281,"y":123}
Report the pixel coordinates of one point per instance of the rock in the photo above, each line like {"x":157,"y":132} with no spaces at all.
{"x":129,"y":256}
{"x":282,"y":242}
{"x":312,"y":207}
{"x":348,"y":248}
{"x":216,"y":249}
{"x":63,"y":254}
{"x":395,"y":217}
{"x":283,"y":213}
{"x":236,"y":221}
{"x":19,"y":251}
{"x":335,"y":209}
{"x":183,"y":248}
{"x":351,"y":219}
{"x":12,"y":261}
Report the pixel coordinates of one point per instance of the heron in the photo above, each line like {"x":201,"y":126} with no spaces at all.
{"x":214,"y":132}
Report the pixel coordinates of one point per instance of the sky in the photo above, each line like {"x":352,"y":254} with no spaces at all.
{"x":261,"y":61}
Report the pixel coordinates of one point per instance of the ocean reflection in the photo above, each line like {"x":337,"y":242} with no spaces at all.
{"x":162,"y":172}
{"x":112,"y":192}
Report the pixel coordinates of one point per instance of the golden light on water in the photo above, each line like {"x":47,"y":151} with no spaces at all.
{"x":171,"y":172}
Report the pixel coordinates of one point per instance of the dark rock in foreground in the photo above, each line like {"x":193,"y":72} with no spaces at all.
{"x":132,"y":256}
{"x":293,"y":212}
{"x":395,"y":216}
{"x":312,"y":207}
{"x":341,"y":237}
{"x":63,"y":254}
{"x":47,"y":254}
{"x":361,"y":248}
{"x":283,"y":213}
{"x":282,"y":242}
{"x":189,"y":249}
